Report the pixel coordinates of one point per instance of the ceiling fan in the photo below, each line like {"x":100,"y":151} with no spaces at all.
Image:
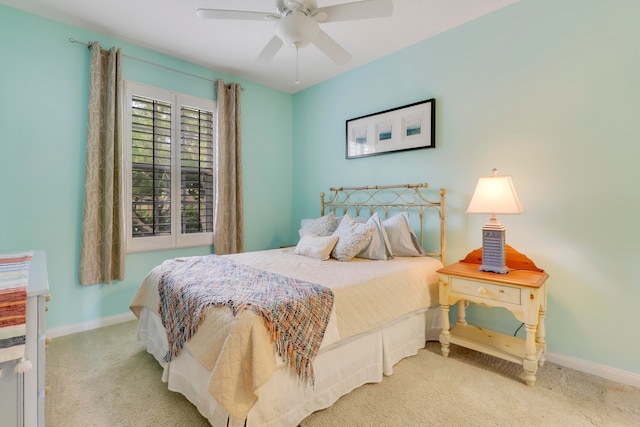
{"x":297,"y":23}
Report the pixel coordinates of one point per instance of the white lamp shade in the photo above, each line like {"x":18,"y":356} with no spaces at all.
{"x":495,"y":195}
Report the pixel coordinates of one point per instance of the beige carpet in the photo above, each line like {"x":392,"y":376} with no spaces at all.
{"x":105,"y":378}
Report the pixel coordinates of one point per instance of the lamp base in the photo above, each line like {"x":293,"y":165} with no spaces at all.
{"x":494,"y":252}
{"x":492,"y":269}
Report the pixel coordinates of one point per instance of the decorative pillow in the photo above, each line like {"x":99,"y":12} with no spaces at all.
{"x":352,"y":238}
{"x":379,"y":246}
{"x":402,"y":239}
{"x":323,"y":226}
{"x":316,"y":246}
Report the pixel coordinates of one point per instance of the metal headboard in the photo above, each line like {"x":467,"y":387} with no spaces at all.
{"x":388,"y":200}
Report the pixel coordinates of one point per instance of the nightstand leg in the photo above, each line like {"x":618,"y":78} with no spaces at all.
{"x":541,"y":333}
{"x":445,"y":334}
{"x":540,"y":336}
{"x":462,"y":314}
{"x":530,"y":363}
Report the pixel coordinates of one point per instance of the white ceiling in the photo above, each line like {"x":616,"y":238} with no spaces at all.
{"x":172,"y":27}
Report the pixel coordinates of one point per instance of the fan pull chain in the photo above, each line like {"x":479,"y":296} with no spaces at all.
{"x":297,"y":82}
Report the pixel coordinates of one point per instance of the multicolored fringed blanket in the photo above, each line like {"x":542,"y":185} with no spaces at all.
{"x":296,"y":313}
{"x":14,"y":276}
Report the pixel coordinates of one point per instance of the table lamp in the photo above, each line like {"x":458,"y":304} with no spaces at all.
{"x":494,"y":195}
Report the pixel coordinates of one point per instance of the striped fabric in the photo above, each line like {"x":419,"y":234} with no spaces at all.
{"x":14,"y":275}
{"x":296,"y":313}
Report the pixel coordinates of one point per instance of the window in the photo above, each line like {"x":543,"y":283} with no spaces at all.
{"x":169,"y":196}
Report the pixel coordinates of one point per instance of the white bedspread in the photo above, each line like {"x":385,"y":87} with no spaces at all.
{"x":368,"y":295}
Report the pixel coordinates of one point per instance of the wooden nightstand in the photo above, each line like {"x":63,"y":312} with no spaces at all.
{"x":522,"y":292}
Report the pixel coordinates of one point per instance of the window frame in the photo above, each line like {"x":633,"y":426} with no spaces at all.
{"x":176,"y":239}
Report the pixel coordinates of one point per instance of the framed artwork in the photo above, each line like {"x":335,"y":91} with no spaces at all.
{"x":408,"y":127}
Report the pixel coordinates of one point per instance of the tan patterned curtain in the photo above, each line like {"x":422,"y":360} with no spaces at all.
{"x":102,"y":251}
{"x":229,"y":229}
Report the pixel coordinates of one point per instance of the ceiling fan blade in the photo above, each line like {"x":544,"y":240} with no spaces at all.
{"x":331,"y":48}
{"x":270,"y":49}
{"x":364,"y":9}
{"x":233,"y":14}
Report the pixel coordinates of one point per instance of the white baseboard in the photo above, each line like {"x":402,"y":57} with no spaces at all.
{"x":87,"y":326}
{"x":612,"y":374}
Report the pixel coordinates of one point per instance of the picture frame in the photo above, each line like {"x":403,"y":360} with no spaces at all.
{"x":409,"y":127}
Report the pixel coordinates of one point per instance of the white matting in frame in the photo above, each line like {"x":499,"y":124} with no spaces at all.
{"x":404,"y":128}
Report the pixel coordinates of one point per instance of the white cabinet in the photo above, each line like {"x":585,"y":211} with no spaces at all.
{"x":22,"y":395}
{"x":10,"y":405}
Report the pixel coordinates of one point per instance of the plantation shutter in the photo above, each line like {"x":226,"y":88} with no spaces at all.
{"x":197,"y":163}
{"x":151,"y":167}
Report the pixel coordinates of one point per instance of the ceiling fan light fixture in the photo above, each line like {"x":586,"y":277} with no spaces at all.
{"x":297,"y":30}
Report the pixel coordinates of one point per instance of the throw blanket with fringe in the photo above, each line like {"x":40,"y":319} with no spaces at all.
{"x":296,"y":313}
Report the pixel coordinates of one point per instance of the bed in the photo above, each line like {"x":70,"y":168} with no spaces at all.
{"x":365,"y":270}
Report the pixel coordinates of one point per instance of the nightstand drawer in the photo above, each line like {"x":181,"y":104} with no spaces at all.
{"x":485,"y":290}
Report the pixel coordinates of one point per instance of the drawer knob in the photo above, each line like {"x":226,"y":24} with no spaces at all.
{"x":47,"y":298}
{"x":482,"y":291}
{"x":47,"y":390}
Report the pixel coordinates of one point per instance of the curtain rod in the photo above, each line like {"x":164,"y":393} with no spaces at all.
{"x":72,"y":40}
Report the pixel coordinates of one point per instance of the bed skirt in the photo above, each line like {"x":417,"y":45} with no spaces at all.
{"x":284,"y":400}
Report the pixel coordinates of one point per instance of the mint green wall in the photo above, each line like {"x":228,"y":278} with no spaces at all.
{"x":43,"y":97}
{"x":546,"y":91}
